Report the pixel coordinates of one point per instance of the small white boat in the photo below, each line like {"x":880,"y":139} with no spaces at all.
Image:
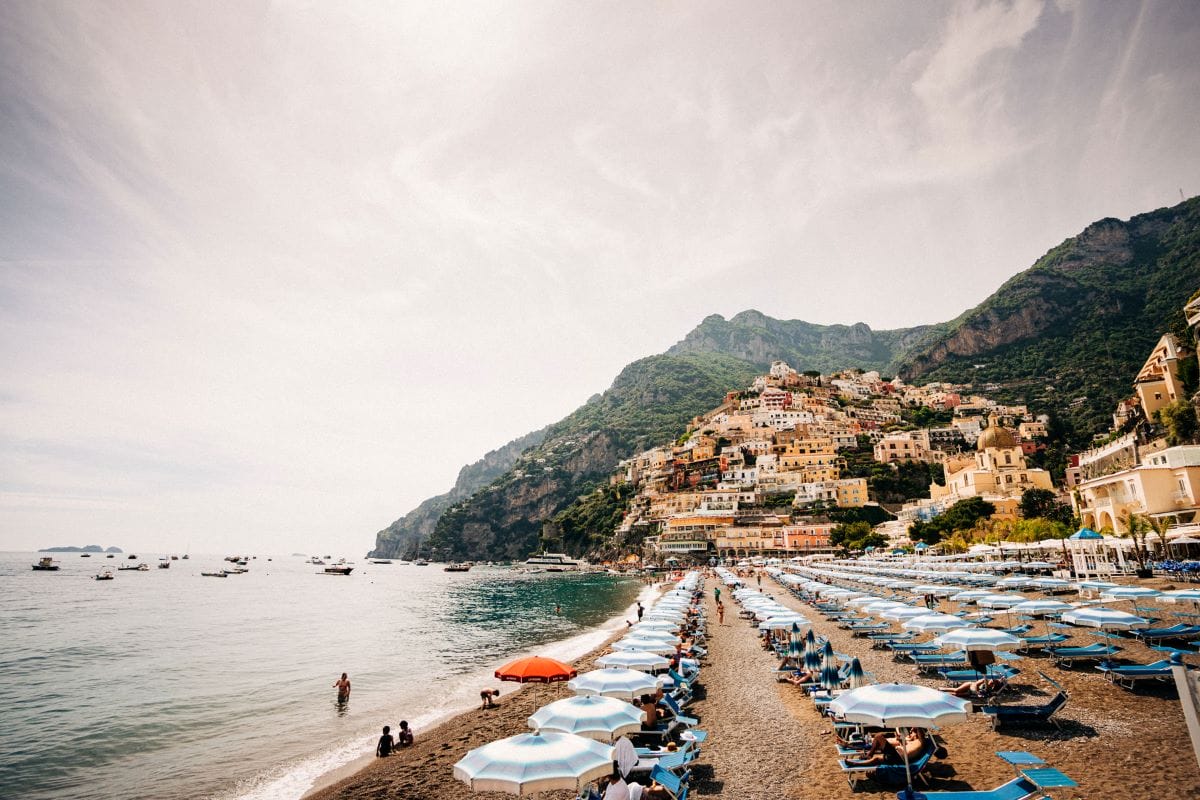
{"x":105,"y":574}
{"x":553,"y":562}
{"x":218,"y":574}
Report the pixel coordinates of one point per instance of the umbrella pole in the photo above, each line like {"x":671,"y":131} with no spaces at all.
{"x":908,"y":794}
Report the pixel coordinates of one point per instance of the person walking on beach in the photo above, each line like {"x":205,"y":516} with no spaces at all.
{"x":758,"y":576}
{"x":641,"y":610}
{"x":386,"y":743}
{"x":717,"y":594}
{"x":343,"y":687}
{"x":720,"y":613}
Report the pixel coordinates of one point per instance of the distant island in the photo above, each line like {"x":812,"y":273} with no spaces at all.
{"x":91,"y":548}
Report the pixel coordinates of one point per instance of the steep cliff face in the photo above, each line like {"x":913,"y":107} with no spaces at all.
{"x":402,"y":537}
{"x":1070,"y":332}
{"x":755,"y":337}
{"x":651,"y":401}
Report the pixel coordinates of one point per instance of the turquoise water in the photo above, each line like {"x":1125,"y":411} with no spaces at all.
{"x":166,"y":684}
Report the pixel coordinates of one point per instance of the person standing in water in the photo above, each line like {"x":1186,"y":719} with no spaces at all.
{"x":343,"y":687}
{"x":558,"y":609}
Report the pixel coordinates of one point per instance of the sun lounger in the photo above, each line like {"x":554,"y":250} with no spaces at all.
{"x":903,"y":649}
{"x":931,"y":662}
{"x":1067,"y":656}
{"x":1029,"y":714}
{"x":1016,"y":789}
{"x":881,"y":640}
{"x":1002,"y":671}
{"x":1039,"y":642}
{"x":888,"y":774}
{"x":1129,"y":675}
{"x":668,"y":762}
{"x":864,"y":630}
{"x":680,"y":717}
{"x":1020,"y":630}
{"x":676,"y":785}
{"x":1179,"y":631}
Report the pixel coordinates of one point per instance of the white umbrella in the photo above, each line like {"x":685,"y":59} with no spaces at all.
{"x":634,"y":659}
{"x":1105,"y":619}
{"x":900,"y":705}
{"x":615,"y":682}
{"x":593,"y":716}
{"x":903,"y":612}
{"x":1133,"y":593}
{"x":978,"y":639}
{"x":935,"y":622}
{"x":534,"y":762}
{"x":644,"y":645}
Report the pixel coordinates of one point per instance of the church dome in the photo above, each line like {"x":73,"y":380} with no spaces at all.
{"x":996,"y":436}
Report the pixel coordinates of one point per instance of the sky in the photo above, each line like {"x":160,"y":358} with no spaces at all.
{"x":271,"y":273}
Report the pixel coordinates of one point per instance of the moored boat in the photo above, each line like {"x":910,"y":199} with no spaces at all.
{"x":336,"y":570}
{"x":553,"y":562}
{"x":460,"y":567}
{"x":46,"y":564}
{"x":218,"y":574}
{"x":105,"y":574}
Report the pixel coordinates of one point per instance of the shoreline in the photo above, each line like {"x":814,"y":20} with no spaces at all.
{"x":451,"y":723}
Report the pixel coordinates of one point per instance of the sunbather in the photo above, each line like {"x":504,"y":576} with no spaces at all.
{"x":887,"y":750}
{"x":649,"y":707}
{"x":802,"y":676}
{"x":978,"y":688}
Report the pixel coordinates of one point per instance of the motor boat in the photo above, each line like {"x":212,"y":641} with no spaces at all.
{"x":460,"y":567}
{"x":218,"y":574}
{"x":46,"y":564}
{"x":337,"y":570}
{"x":105,"y":574}
{"x":553,"y":562}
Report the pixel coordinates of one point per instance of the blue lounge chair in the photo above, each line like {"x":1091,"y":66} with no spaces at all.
{"x":1179,"y":631}
{"x":1046,"y":640}
{"x":676,"y":785}
{"x":680,"y":717}
{"x":866,"y":629}
{"x":1016,"y":789}
{"x":1029,"y":714}
{"x":1020,"y":630}
{"x":903,"y":649}
{"x":1002,"y":671}
{"x":1129,"y":675}
{"x":889,"y":774}
{"x":1067,"y":656}
{"x":931,"y":662}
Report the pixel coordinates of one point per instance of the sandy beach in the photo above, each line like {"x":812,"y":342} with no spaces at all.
{"x":766,"y":740}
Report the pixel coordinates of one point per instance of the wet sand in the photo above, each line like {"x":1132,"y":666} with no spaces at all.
{"x":767,"y":741}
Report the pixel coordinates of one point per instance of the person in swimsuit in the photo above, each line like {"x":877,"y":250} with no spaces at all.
{"x":404,"y":736}
{"x":343,"y":687}
{"x":386,"y":743}
{"x":488,"y":697}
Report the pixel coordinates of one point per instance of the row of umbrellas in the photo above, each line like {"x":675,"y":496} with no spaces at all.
{"x":571,"y":740}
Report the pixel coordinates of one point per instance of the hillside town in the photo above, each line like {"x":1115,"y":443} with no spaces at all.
{"x":777,"y":468}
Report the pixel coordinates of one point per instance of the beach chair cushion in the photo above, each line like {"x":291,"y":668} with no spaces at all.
{"x":1016,"y":789}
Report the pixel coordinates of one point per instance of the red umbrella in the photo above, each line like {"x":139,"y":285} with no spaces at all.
{"x":536,"y":669}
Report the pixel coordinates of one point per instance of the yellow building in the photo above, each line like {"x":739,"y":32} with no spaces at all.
{"x":1165,"y":484}
{"x":1157,"y":384}
{"x":997,"y":470}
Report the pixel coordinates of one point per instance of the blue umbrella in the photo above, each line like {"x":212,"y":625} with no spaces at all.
{"x":830,"y":678}
{"x":534,"y":762}
{"x":858,"y":678}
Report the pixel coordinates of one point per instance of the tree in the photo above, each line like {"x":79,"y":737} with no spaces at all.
{"x":965,"y":515}
{"x":1044,"y":503}
{"x":1159,"y":527}
{"x":1179,"y":418}
{"x":856,"y":536}
{"x":1136,"y":528}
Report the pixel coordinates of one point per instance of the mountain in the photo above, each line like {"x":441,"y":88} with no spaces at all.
{"x":649,"y":402}
{"x":1070,"y":333}
{"x":755,"y":337}
{"x":403,"y":537}
{"x":1066,"y":336}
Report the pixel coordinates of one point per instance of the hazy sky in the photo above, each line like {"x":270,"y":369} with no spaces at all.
{"x":270,"y":273}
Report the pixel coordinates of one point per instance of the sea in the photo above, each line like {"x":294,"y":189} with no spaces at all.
{"x":167,"y":684}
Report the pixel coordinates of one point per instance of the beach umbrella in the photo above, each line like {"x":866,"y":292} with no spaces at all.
{"x":901,"y":706}
{"x":615,"y":682}
{"x":1105,"y":619}
{"x":644,"y":645}
{"x":935,"y":623}
{"x":1041,"y":608}
{"x":634,"y":659}
{"x":1000,"y":600}
{"x":784,"y":623}
{"x":534,"y":762}
{"x":830,"y":678}
{"x":536,"y":669}
{"x":655,"y":625}
{"x":978,"y":639}
{"x":593,"y":716}
{"x":1049,"y":583}
{"x":1133,"y":593}
{"x":970,"y":595}
{"x":858,"y":678}
{"x":900,"y":613}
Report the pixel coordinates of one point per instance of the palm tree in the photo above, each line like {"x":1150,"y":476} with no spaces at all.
{"x":1136,"y":528}
{"x":1159,"y":526}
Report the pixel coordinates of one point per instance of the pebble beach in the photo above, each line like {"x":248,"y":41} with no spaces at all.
{"x":767,"y":740}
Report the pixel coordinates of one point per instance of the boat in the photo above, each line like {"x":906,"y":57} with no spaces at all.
{"x":315,"y":560}
{"x":85,"y":555}
{"x":46,"y":564}
{"x":110,"y":555}
{"x":184,"y":556}
{"x":176,"y":558}
{"x":236,"y":571}
{"x":456,"y":568}
{"x":420,"y":562}
{"x":337,"y":570}
{"x":553,"y":562}
{"x":381,"y":560}
{"x":142,"y":567}
{"x":133,"y":556}
{"x":105,"y":574}
{"x":164,"y":563}
{"x":218,"y":574}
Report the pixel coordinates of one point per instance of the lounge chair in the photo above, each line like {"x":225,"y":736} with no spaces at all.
{"x":1002,"y":671}
{"x":680,"y":717}
{"x":880,"y":641}
{"x":869,"y":628}
{"x":1129,"y":675}
{"x":667,"y":762}
{"x":1016,"y":789}
{"x":1045,"y":640}
{"x":889,"y":774}
{"x":1029,"y":714}
{"x":1020,"y":630}
{"x":903,"y":649}
{"x":676,"y":785}
{"x":1067,"y":656}
{"x":931,"y":662}
{"x":1179,"y":631}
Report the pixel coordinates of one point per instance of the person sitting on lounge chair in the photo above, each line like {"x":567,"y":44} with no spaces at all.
{"x":802,"y":676}
{"x":983,"y":687}
{"x":887,"y":750}
{"x":649,"y":706}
